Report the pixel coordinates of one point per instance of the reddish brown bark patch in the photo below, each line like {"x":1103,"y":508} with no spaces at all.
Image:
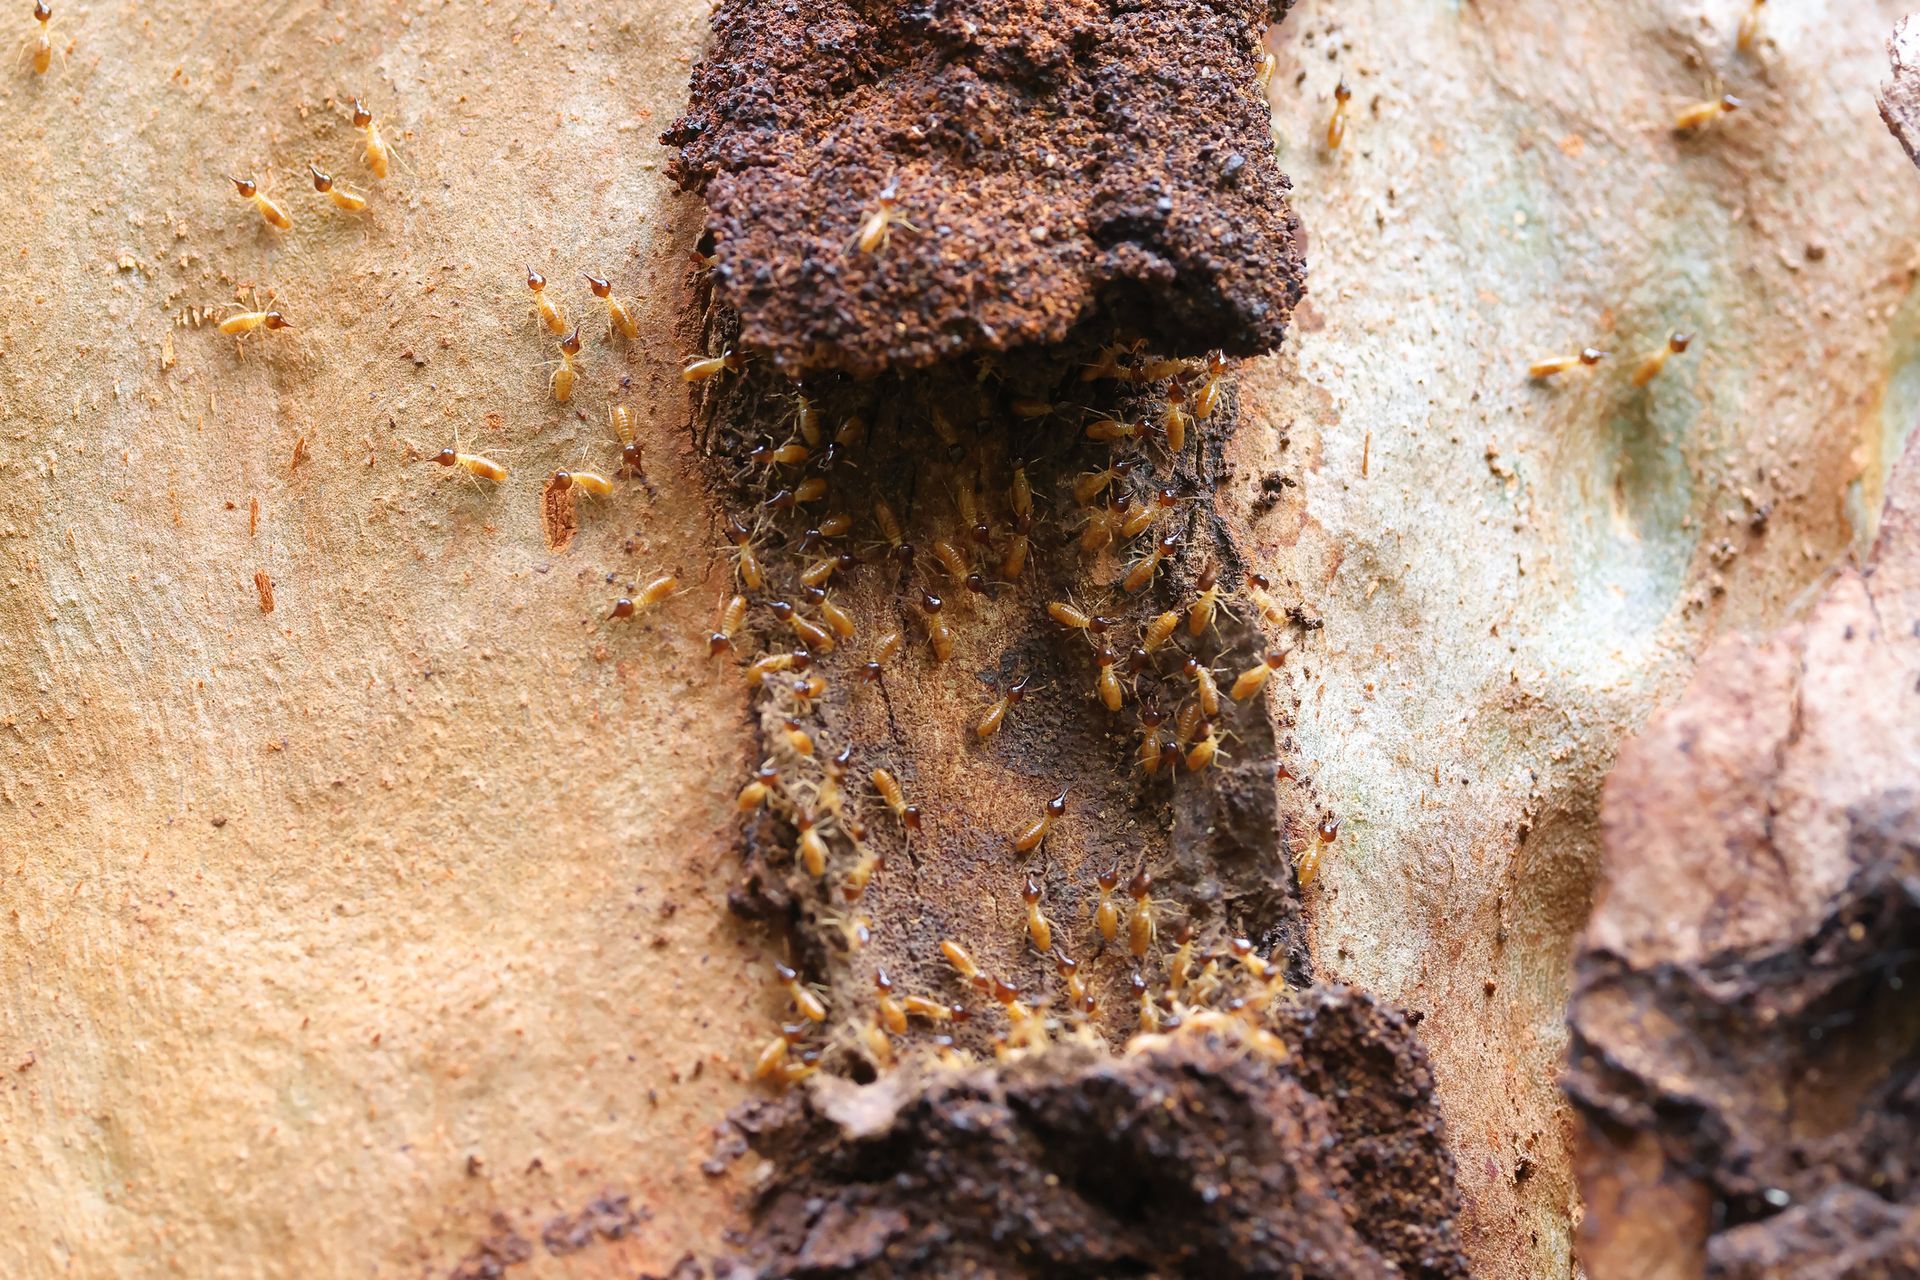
{"x":559,"y":521}
{"x":1191,"y":1155}
{"x":1067,"y":167}
{"x":1746,"y":1046}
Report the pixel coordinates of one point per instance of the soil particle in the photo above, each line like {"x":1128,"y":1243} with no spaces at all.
{"x":1011,"y":136}
{"x":1193,"y":1154}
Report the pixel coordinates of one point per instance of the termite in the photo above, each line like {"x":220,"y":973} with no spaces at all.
{"x":700,"y":368}
{"x":951,"y":562}
{"x":1181,"y":966}
{"x":1553,"y":365}
{"x":42,"y":43}
{"x":1207,"y":399}
{"x":1091,"y":485}
{"x":878,"y":227}
{"x":857,"y":879}
{"x":617,"y":314}
{"x":1201,"y":612}
{"x":472,"y":464}
{"x":1308,"y":869}
{"x":804,"y":1000}
{"x":1073,"y":618}
{"x":378,"y":155}
{"x":1255,"y":677}
{"x":939,"y":634}
{"x":1700,"y":114}
{"x":1143,"y":570}
{"x":838,"y":620}
{"x":1151,"y":718}
{"x":1651,"y":366}
{"x":1140,"y":926}
{"x":1337,"y":127}
{"x":1103,"y":524}
{"x":561,"y":382}
{"x":1173,"y":419}
{"x":651,"y":594}
{"x":1107,"y":683}
{"x":746,"y":562}
{"x":889,"y":789}
{"x":773,"y":1059}
{"x":813,"y":849}
{"x":1143,"y":998}
{"x":989,"y":724}
{"x":1257,"y":586}
{"x":962,"y":962}
{"x":247,"y":322}
{"x":271,"y":213}
{"x":351,"y":201}
{"x":1106,"y":912}
{"x":588,"y":481}
{"x":757,"y":791}
{"x":720,"y":639}
{"x":1111,"y":429}
{"x":1251,"y":961}
{"x":811,"y":633}
{"x":1039,"y":928}
{"x":1206,"y":746}
{"x":1034,"y":832}
{"x":766,"y":665}
{"x":932,"y":1010}
{"x":620,"y":419}
{"x":884,"y":651}
{"x":891,"y":1014}
{"x":799,"y":741}
{"x":1264,"y":76}
{"x":543,"y":309}
{"x":1749,"y":25}
{"x":1159,"y":631}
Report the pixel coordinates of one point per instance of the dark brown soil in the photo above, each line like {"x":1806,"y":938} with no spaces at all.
{"x":1785,"y":1077}
{"x":1192,"y":1155}
{"x":1067,"y":167}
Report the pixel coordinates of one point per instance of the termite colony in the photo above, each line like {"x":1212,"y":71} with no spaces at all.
{"x":1024,"y":554}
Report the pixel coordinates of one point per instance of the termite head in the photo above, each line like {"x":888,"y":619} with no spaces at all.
{"x":535,"y":281}
{"x":245,"y":186}
{"x":1591,"y":355}
{"x":563,"y":479}
{"x":601,"y":288}
{"x":43,"y":12}
{"x":1031,"y":890}
{"x":1730,"y":103}
{"x":275,"y":320}
{"x":361,"y":116}
{"x":322,"y":182}
{"x":1679,"y":342}
{"x":445,"y":457}
{"x":1341,"y":92}
{"x":571,"y":343}
{"x":1109,"y":878}
{"x":1140,"y":886}
{"x":622,"y":608}
{"x":1057,"y":805}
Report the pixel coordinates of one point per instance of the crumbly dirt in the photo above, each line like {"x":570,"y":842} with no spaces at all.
{"x":1054,"y":168}
{"x":1195,"y":1153}
{"x":1745,"y":1041}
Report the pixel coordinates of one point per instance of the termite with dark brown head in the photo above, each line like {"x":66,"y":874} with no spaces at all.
{"x":760,"y":789}
{"x":1010,"y":696}
{"x":351,"y":201}
{"x":962,"y":962}
{"x":1650,"y":367}
{"x":1255,"y":677}
{"x":618,"y":316}
{"x":378,"y":155}
{"x":1030,"y":836}
{"x":1201,"y":612}
{"x":1143,"y":569}
{"x":246,"y":322}
{"x":889,"y":789}
{"x":1555,"y":365}
{"x":650,"y":595}
{"x":809,"y":1005}
{"x":747,"y":563}
{"x":1106,"y":912}
{"x":1700,"y":114}
{"x":1308,"y":868}
{"x":1091,"y":485}
{"x":561,"y":382}
{"x":272,"y":214}
{"x":472,"y":464}
{"x":1207,"y":399}
{"x":701,"y":368}
{"x":773,"y":1060}
{"x":543,"y":309}
{"x":720,"y":639}
{"x":1140,"y":924}
{"x":1039,"y":928}
{"x":42,"y":43}
{"x":1337,"y":127}
{"x":939,"y":634}
{"x":586,"y":481}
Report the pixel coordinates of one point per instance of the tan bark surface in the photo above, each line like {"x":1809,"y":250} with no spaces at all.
{"x":328,"y":934}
